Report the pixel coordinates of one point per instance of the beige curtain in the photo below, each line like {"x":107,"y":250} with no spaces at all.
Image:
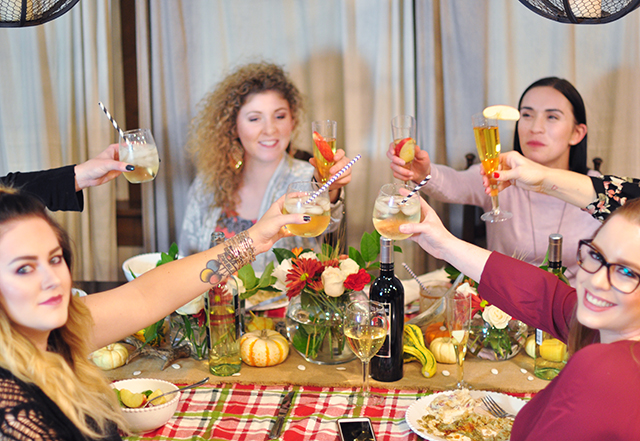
{"x":51,"y":79}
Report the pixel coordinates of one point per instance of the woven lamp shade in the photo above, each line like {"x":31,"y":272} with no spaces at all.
{"x":582,"y":11}
{"x":21,"y":13}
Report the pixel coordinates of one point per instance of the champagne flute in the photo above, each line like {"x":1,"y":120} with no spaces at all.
{"x":458,"y":322}
{"x":487,"y":138}
{"x":137,"y":147}
{"x":403,"y":130}
{"x":365,"y":326}
{"x":297,"y":200}
{"x":324,"y":146}
{"x":389,"y":212}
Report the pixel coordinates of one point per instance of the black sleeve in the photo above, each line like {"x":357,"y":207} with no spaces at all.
{"x":55,"y":187}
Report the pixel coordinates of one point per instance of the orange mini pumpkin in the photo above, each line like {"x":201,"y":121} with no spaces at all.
{"x":435,"y":330}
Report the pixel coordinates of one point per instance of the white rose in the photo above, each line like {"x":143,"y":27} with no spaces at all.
{"x":193,"y":307}
{"x":495,"y":317}
{"x":466,"y":289}
{"x":349,"y":266}
{"x":308,"y":255}
{"x":280,"y":273}
{"x":333,"y":281}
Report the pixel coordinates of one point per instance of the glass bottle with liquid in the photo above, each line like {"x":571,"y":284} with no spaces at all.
{"x":387,"y":289}
{"x":224,"y":327}
{"x":551,"y":353}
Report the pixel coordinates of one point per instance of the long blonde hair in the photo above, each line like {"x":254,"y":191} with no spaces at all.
{"x":64,"y":371}
{"x":580,"y":335}
{"x":213,"y":136}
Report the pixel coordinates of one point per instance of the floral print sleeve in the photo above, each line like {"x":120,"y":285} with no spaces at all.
{"x":611,"y":193}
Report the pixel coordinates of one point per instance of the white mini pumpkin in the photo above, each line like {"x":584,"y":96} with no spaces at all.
{"x":263,"y":347}
{"x":443,"y":350}
{"x":111,"y":356}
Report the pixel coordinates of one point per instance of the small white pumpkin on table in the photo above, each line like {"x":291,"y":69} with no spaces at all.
{"x":264,"y":347}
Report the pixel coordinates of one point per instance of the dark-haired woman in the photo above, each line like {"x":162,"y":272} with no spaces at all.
{"x":552,"y":131}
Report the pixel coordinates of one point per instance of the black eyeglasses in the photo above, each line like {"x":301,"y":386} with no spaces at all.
{"x":619,"y":276}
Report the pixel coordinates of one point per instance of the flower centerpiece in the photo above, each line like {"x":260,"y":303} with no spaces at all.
{"x":494,"y":334}
{"x":319,"y":286}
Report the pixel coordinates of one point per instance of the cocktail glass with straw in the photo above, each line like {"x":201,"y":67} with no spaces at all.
{"x":365,"y":327}
{"x":324,"y":146}
{"x":487,"y":137}
{"x":300,"y":199}
{"x":458,"y":323}
{"x":389,"y":211}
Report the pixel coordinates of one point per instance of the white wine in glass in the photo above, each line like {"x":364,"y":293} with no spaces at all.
{"x":297,"y":201}
{"x":365,"y":326}
{"x":389,"y":212}
{"x":458,"y":322}
{"x":139,"y":149}
{"x":485,"y":131}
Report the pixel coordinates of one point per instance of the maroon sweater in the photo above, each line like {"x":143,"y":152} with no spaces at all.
{"x":597,"y":394}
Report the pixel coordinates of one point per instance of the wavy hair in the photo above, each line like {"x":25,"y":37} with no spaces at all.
{"x":213,"y":136}
{"x":64,"y":371}
{"x":580,"y":335}
{"x":578,"y":152}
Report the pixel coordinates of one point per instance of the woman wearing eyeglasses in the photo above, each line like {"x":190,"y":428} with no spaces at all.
{"x":595,"y":396}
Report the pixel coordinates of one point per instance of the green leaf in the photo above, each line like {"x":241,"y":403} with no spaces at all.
{"x":282,"y":254}
{"x":248,"y":277}
{"x":327,"y":250}
{"x":357,"y":257}
{"x":370,"y":246}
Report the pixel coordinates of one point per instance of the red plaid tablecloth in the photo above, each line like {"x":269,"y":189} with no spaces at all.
{"x":240,"y":412}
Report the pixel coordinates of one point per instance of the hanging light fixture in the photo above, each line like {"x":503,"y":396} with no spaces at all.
{"x":20,"y":13}
{"x":582,"y":11}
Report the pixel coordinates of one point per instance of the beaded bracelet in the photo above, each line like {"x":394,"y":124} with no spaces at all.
{"x":238,"y":252}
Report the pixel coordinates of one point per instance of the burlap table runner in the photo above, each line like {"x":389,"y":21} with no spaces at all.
{"x":478,"y":373}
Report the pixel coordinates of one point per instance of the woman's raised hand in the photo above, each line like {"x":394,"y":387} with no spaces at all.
{"x":419,"y":169}
{"x":340,"y":160}
{"x":270,"y":227}
{"x":519,"y":171}
{"x":101,"y":169}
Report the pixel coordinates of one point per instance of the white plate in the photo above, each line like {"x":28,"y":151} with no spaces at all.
{"x":279,"y":304}
{"x":418,"y":409}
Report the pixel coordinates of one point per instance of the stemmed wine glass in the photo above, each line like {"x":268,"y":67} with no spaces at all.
{"x":365,"y":326}
{"x":487,"y":137}
{"x":458,"y":322}
{"x":324,"y":146}
{"x":403,"y":130}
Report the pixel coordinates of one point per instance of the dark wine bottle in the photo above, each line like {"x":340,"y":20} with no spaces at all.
{"x":386,"y":365}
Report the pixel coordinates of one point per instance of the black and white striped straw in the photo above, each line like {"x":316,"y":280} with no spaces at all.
{"x":418,"y":187}
{"x":410,"y":271}
{"x":113,"y":121}
{"x":332,"y":179}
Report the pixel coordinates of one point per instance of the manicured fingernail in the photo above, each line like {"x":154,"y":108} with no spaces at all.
{"x":306,"y":218}
{"x":496,"y":174}
{"x":130,"y":167}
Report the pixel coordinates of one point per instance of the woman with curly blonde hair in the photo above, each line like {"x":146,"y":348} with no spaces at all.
{"x":49,"y":389}
{"x":240,"y":142}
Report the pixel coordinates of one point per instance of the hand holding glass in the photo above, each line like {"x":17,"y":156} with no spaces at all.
{"x":403,"y":129}
{"x":458,"y":322}
{"x":324,"y":146}
{"x":298,"y":193}
{"x":389,"y":213}
{"x":365,"y":326}
{"x":139,"y":149}
{"x":487,"y":138}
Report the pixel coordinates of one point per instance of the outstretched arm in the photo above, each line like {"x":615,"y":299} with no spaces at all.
{"x":145,"y":300}
{"x":101,"y":169}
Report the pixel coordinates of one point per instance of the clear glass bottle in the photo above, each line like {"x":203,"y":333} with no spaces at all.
{"x":551,"y":353}
{"x":387,"y":364}
{"x":224,"y":337}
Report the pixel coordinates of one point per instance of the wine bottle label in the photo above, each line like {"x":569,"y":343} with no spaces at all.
{"x":385,"y":350}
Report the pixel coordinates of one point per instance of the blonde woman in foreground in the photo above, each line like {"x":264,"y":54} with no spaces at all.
{"x":49,"y":389}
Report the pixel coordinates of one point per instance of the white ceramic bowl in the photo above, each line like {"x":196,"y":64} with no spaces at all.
{"x":139,"y":264}
{"x":150,"y":417}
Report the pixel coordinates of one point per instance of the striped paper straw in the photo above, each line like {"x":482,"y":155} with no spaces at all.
{"x":333,"y":179}
{"x":410,"y":271}
{"x":113,"y":121}
{"x":418,"y":187}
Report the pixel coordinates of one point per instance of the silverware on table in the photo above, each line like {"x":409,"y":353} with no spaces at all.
{"x":494,"y":408}
{"x":267,"y":302}
{"x":276,"y":430}
{"x":191,"y":386}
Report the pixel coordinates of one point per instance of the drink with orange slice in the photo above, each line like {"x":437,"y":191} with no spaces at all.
{"x":324,"y":146}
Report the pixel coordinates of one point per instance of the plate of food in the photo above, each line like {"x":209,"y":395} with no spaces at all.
{"x":266,"y":300}
{"x":460,"y":415}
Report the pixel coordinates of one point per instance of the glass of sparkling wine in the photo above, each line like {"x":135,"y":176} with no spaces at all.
{"x":403,"y":129}
{"x":389,"y":212}
{"x":487,"y":138}
{"x":365,"y":326}
{"x":324,"y":146}
{"x":139,"y":149}
{"x":297,"y":201}
{"x":458,"y":322}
